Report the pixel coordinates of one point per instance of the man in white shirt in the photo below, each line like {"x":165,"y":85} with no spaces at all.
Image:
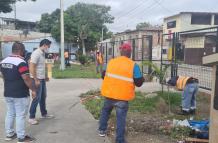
{"x":37,"y":70}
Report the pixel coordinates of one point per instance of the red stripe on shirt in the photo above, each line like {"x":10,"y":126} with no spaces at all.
{"x":23,"y":69}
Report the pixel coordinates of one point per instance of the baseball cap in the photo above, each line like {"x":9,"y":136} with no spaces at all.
{"x":126,"y":46}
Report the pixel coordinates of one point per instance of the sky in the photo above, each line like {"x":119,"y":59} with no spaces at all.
{"x":127,"y":13}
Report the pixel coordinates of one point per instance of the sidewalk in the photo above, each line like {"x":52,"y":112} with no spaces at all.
{"x":72,"y":123}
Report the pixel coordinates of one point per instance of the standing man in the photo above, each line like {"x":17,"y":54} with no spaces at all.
{"x":17,"y":83}
{"x":189,"y":85}
{"x":120,"y":79}
{"x":99,"y":61}
{"x":66,"y":57}
{"x":37,"y":70}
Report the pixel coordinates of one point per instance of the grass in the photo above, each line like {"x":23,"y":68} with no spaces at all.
{"x":140,"y":104}
{"x":75,"y":71}
{"x":93,"y":105}
{"x":150,"y":105}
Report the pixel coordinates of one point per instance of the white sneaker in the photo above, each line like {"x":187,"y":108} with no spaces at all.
{"x":33,"y":121}
{"x":47,"y":116}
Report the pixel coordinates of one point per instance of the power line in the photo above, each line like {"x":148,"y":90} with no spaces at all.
{"x":142,"y":13}
{"x":130,"y":11}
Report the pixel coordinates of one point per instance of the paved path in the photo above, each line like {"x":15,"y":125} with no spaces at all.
{"x":72,"y":123}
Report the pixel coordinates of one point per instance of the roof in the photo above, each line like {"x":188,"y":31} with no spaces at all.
{"x":190,"y":13}
{"x":17,"y":20}
{"x":141,"y":30}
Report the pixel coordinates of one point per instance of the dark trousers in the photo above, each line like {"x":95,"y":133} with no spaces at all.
{"x":41,"y":99}
{"x":121,"y":113}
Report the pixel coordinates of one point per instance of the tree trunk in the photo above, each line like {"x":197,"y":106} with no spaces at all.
{"x":84,"y":48}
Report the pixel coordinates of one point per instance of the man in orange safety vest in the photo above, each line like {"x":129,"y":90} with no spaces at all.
{"x":189,"y":85}
{"x":120,"y":78}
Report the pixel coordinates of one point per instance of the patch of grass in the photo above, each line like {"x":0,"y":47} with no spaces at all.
{"x":76,"y":71}
{"x":180,"y":133}
{"x":93,"y":102}
{"x":141,"y":103}
{"x":173,"y":97}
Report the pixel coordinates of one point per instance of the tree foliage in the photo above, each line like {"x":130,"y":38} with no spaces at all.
{"x":143,"y":25}
{"x":47,"y":20}
{"x":6,"y":5}
{"x":82,"y":23}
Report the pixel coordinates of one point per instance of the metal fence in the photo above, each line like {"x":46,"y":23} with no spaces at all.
{"x":141,"y":50}
{"x":185,"y":51}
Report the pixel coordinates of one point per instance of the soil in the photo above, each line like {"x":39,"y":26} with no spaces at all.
{"x":146,"y":128}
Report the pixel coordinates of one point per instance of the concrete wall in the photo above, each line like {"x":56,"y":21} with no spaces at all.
{"x":183,"y":23}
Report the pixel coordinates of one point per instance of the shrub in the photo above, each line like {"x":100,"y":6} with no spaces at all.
{"x":83,"y":59}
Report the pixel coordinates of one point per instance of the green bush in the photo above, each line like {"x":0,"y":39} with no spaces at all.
{"x":83,"y":59}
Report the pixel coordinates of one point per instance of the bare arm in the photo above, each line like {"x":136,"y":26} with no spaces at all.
{"x":33,"y":70}
{"x":33,"y":73}
{"x":28,"y":82}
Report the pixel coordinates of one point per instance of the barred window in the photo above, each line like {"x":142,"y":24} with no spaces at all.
{"x":201,"y":19}
{"x":171,"y":24}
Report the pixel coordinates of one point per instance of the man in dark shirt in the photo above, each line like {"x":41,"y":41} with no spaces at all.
{"x":17,"y":83}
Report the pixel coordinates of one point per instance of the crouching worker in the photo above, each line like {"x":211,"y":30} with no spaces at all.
{"x":120,"y":78}
{"x":189,"y":85}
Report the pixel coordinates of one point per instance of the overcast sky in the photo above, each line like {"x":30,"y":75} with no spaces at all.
{"x":127,"y":13}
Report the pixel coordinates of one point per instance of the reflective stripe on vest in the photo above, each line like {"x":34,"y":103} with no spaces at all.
{"x":118,"y":82}
{"x":119,"y":77}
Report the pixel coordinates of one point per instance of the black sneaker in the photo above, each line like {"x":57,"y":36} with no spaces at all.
{"x":27,"y":139}
{"x":10,"y":138}
{"x":102,"y":133}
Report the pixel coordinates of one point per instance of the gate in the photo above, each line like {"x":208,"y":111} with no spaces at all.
{"x":141,"y":50}
{"x":184,"y":50}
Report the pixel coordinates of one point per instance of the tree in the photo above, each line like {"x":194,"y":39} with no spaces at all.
{"x":6,"y":5}
{"x":82,"y":21}
{"x":90,"y":19}
{"x":47,"y":20}
{"x":143,"y":25}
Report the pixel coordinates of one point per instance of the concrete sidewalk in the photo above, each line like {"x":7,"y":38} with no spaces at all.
{"x":72,"y":122}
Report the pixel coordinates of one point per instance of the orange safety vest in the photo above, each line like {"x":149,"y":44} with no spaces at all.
{"x":118,"y":81}
{"x":181,"y":82}
{"x":99,"y":58}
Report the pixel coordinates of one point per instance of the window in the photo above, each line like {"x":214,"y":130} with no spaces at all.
{"x":171,"y":24}
{"x":201,"y":19}
{"x":110,"y":51}
{"x":216,"y":20}
{"x":164,"y":51}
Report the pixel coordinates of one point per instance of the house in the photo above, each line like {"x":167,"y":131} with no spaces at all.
{"x":191,"y":43}
{"x":140,"y":39}
{"x":11,"y":23}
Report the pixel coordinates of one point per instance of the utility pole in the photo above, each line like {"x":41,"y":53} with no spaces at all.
{"x":62,"y":34}
{"x":102,"y":34}
{"x":15,"y":15}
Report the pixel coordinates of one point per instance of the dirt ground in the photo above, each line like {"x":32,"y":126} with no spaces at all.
{"x":146,"y":128}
